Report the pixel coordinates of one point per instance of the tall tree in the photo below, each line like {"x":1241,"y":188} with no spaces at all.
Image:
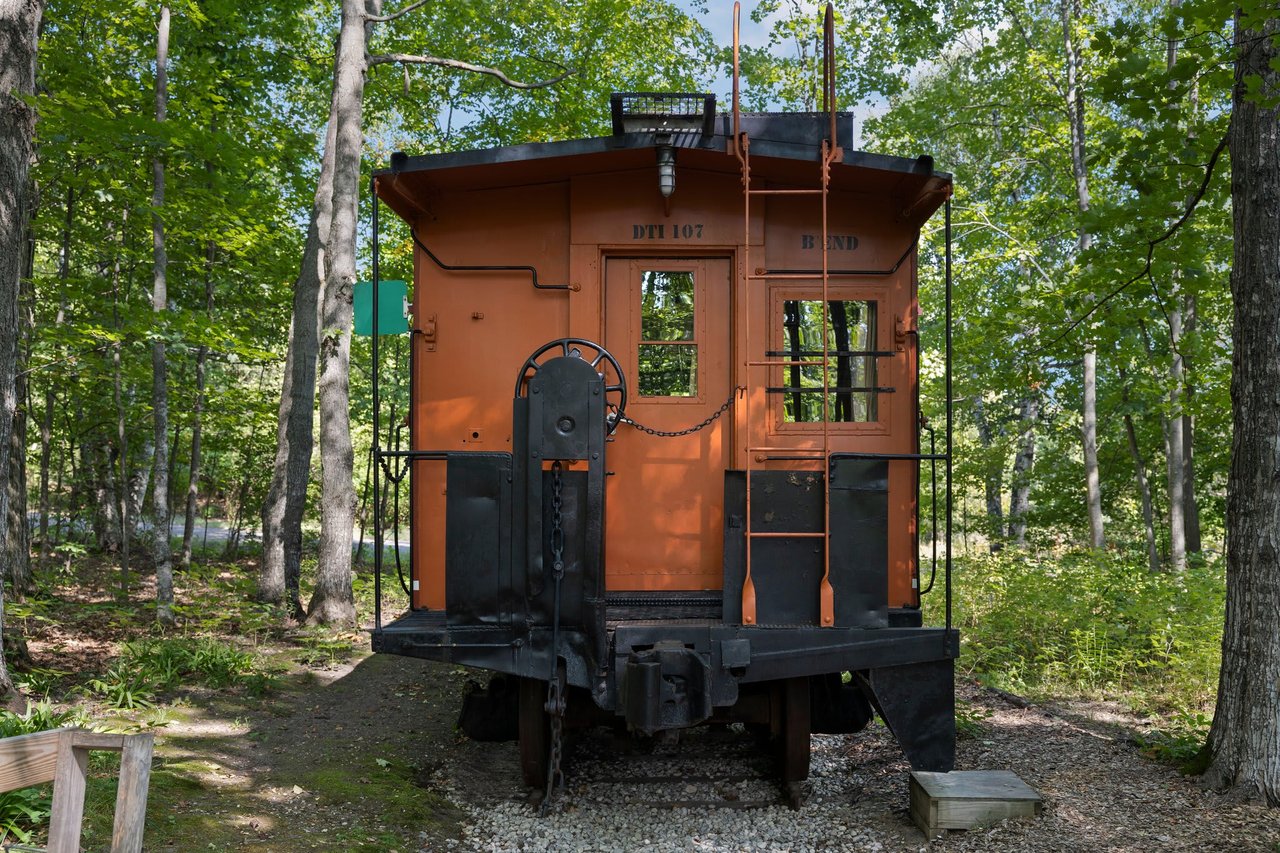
{"x":285,"y":505}
{"x":334,"y":259}
{"x":159,"y":364}
{"x":19,"y":31}
{"x":1244,"y":741}
{"x":1073,"y":95}
{"x":332,"y":602}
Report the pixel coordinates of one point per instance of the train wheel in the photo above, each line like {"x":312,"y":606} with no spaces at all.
{"x":535,"y":732}
{"x":793,"y":738}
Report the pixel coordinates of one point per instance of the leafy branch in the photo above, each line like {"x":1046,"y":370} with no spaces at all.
{"x":1151,"y":247}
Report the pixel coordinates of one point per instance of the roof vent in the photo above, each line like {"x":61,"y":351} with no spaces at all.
{"x":663,"y":112}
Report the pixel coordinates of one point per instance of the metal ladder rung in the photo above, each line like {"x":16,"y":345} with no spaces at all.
{"x":818,"y":450}
{"x":795,"y":534}
{"x":785,"y":192}
{"x":785,"y":363}
{"x":783,"y":276}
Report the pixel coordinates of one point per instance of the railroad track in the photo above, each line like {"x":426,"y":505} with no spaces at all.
{"x":702,"y":769}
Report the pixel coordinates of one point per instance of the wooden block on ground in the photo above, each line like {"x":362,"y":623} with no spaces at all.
{"x":967,"y":799}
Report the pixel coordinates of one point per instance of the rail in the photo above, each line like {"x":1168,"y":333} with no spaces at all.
{"x":61,"y":756}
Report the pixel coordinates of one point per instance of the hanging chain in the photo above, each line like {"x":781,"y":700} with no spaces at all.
{"x":734,"y":395}
{"x":555,"y":706}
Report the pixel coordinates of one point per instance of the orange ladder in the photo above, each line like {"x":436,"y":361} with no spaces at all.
{"x":830,"y":152}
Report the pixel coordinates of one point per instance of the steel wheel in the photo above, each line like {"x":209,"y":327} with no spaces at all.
{"x":615,"y":387}
{"x":793,"y":739}
{"x":535,"y":732}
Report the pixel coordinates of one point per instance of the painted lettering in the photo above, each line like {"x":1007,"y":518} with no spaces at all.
{"x":835,"y":242}
{"x":658,"y":231}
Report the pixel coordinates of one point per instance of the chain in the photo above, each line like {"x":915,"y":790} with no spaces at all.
{"x":555,"y":706}
{"x":555,"y":775}
{"x":712,"y":418}
{"x":557,"y":521}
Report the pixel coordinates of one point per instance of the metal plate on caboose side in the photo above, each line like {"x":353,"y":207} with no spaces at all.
{"x":479,"y":588}
{"x":787,"y":572}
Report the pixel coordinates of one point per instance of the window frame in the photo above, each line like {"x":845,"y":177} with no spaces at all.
{"x":779,"y":295}
{"x":694,"y":268}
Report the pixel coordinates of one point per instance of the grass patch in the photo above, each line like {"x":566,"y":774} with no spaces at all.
{"x":390,"y":785}
{"x":1090,"y":624}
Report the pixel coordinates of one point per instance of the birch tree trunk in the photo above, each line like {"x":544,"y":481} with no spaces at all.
{"x":193,"y":469}
{"x":1191,"y":514}
{"x":1244,"y":741}
{"x":282,"y":512}
{"x":125,"y":515}
{"x":159,"y":366}
{"x":1074,"y":97}
{"x":1175,"y":425}
{"x":19,"y":29}
{"x":332,"y":602}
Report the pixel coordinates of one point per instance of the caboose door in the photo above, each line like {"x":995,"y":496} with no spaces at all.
{"x":668,"y":322}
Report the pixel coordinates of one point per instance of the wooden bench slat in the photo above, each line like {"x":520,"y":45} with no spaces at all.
{"x":28,"y":759}
{"x":97,"y":740}
{"x":68,"y":796}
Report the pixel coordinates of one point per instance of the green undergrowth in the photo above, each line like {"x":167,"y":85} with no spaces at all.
{"x":25,"y":812}
{"x":152,"y":665}
{"x":1092,"y":625}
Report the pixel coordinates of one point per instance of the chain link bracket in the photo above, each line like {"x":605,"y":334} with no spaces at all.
{"x":734,"y":395}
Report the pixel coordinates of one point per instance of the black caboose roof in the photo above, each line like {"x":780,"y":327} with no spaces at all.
{"x":781,"y":146}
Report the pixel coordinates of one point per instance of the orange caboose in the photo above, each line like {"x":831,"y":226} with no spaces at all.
{"x":665,"y":427}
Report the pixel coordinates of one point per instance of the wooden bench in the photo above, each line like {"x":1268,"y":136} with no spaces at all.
{"x":61,"y":756}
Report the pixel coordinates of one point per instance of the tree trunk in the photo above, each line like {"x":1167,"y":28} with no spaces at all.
{"x":1175,"y":426}
{"x":17,"y":555}
{"x":992,"y":479}
{"x":193,"y":470}
{"x":1074,"y":97}
{"x":139,"y":469}
{"x":1144,"y":492}
{"x":1191,"y":513}
{"x":282,"y":511}
{"x":122,"y":434}
{"x":159,"y":365}
{"x":332,"y":602}
{"x":19,"y":29}
{"x":1140,"y":476}
{"x":1020,"y":493}
{"x":1175,"y":465}
{"x":50,"y":398}
{"x":1244,"y":741}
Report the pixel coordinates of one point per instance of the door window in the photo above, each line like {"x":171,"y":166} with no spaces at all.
{"x":668,"y":349}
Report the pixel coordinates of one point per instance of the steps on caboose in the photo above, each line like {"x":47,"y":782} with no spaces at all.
{"x":967,"y":799}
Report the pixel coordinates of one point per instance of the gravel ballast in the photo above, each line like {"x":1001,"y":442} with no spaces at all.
{"x":1100,"y":793}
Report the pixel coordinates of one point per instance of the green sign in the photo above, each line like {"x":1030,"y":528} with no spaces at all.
{"x":391,"y":302}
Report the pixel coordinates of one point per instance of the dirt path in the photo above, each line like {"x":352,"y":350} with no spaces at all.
{"x":336,"y":760}
{"x":366,"y":758}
